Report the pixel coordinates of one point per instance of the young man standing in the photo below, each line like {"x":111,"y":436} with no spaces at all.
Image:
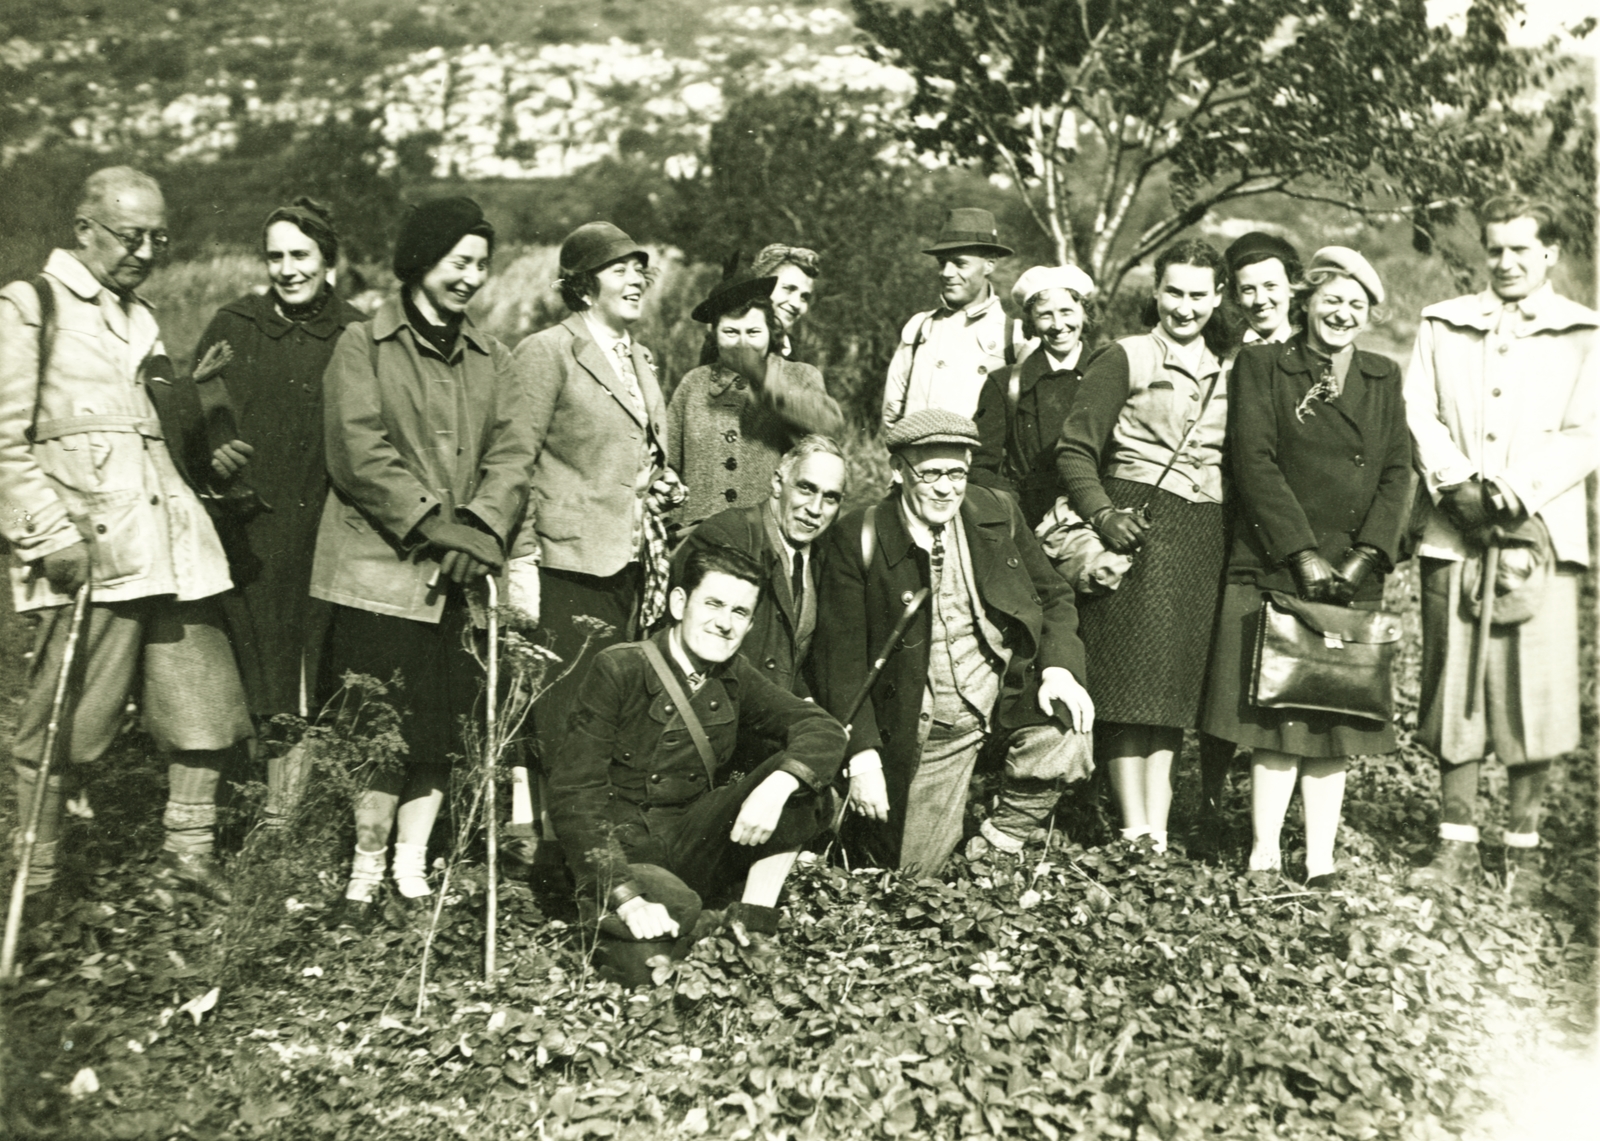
{"x":651,"y":817}
{"x":1502,"y":399}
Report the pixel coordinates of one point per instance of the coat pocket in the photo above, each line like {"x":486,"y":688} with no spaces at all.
{"x":123,"y":534}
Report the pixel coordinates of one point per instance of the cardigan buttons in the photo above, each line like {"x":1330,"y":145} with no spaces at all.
{"x":730,"y":495}
{"x":731,"y":463}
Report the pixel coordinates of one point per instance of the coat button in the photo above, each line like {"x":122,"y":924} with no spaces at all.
{"x":924,"y":716}
{"x":938,"y":364}
{"x":100,"y":528}
{"x":730,"y":495}
{"x":730,"y":435}
{"x":655,"y":778}
{"x":1495,"y":392}
{"x":668,"y":709}
{"x":772,"y":663}
{"x":906,"y":597}
{"x":1490,"y":437}
{"x":731,"y":463}
{"x":155,"y":500}
{"x":716,"y":704}
{"x":627,"y":756}
{"x":982,"y":370}
{"x":1505,"y":347}
{"x":1011,"y":562}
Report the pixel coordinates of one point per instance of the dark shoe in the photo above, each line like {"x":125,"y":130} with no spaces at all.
{"x":1455,"y":864}
{"x":752,"y":919}
{"x":1206,"y":843}
{"x":359,"y":915}
{"x":41,"y":907}
{"x":1524,"y":875}
{"x":1263,"y":881}
{"x":201,"y":874}
{"x":1328,"y":881}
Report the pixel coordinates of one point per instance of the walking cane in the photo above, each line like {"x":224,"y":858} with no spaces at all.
{"x":1480,"y":657}
{"x":30,"y":834}
{"x":889,"y":644}
{"x":491,"y":809}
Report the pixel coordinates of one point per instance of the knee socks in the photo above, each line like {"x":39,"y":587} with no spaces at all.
{"x":191,"y":815}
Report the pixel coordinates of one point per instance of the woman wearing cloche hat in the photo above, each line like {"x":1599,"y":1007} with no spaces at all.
{"x":1321,"y":462}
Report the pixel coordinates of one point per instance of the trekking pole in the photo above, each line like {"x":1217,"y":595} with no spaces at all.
{"x":35,"y":811}
{"x":491,"y":808}
{"x":1480,"y":657}
{"x":889,"y":644}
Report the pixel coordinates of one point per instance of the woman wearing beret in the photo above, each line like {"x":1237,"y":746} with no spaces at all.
{"x":1321,"y":462}
{"x":1264,"y":270}
{"x":428,"y":452}
{"x":280,"y":341}
{"x":1023,"y":406}
{"x":1140,"y":457}
{"x":732,"y":418}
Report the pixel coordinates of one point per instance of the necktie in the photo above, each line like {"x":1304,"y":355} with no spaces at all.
{"x":797,"y":579}
{"x":936,"y":555}
{"x":625,"y":367}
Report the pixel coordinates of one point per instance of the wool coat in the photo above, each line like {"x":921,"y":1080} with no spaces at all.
{"x":1337,"y":474}
{"x":591,"y":445}
{"x":628,"y":766}
{"x":1018,"y":452}
{"x":779,"y":638}
{"x":274,"y":384}
{"x":407,"y":433}
{"x":725,"y":440}
{"x":1023,"y":596}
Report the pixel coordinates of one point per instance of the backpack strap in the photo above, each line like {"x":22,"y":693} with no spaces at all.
{"x":869,"y":536}
{"x":47,"y":343}
{"x":691,"y":722}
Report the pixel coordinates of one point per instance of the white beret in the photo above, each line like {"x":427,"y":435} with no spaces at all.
{"x":1348,"y":262}
{"x":1036,"y":279}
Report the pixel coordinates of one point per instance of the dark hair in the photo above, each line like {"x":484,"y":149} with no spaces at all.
{"x":714,"y":557}
{"x":762,"y":305}
{"x":1510,"y":207}
{"x":1202,"y":255}
{"x":577,"y":288}
{"x":1292,"y":269}
{"x":312,"y":219}
{"x":1030,"y":332}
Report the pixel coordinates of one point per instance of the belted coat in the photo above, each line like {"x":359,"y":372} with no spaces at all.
{"x":1022,"y":594}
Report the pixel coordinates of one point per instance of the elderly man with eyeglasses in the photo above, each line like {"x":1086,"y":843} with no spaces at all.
{"x":993,"y":650}
{"x":89,"y":493}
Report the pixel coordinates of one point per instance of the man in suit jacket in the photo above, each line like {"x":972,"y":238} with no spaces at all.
{"x":1502,"y":397}
{"x":994,"y":649}
{"x":781,"y":535}
{"x":600,"y":480}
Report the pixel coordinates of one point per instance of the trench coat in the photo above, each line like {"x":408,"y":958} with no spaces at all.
{"x":1023,"y":596}
{"x":274,"y":384}
{"x":408,"y":433}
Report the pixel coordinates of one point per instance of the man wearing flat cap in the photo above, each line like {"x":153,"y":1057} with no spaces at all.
{"x":946,"y":354}
{"x":600,"y":484}
{"x":993,"y":649}
{"x":1502,"y":398}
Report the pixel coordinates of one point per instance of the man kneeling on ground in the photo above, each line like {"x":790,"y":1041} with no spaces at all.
{"x":649,"y":812}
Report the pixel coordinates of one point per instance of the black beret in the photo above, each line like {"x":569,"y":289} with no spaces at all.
{"x":431,"y":229}
{"x":1259,"y":246}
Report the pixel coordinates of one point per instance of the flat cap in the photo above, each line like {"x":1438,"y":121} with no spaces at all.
{"x":931,"y":426}
{"x":1350,"y":263}
{"x":1256,"y":246}
{"x":595,"y":244}
{"x":1037,"y":279}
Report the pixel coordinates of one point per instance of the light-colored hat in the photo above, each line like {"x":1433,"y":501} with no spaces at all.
{"x":1038,"y":278}
{"x":931,"y":426}
{"x":1348,"y":261}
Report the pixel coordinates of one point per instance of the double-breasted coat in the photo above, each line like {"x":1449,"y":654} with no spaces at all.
{"x":274,"y":385}
{"x":1022,"y":594}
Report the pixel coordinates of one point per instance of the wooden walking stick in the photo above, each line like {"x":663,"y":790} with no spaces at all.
{"x":35,"y":811}
{"x":491,"y":751}
{"x":1480,"y":657}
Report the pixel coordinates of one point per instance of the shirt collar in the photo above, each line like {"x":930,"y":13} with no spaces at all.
{"x":604,"y":337}
{"x":69,"y":271}
{"x":1066,"y":364}
{"x":1177,"y":356}
{"x":680,"y":658}
{"x":973,"y":309}
{"x":1531,"y":306}
{"x":1280,"y":335}
{"x":391,"y":318}
{"x":921,"y":534}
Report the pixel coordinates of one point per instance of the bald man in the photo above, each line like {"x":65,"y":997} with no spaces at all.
{"x":89,"y":493}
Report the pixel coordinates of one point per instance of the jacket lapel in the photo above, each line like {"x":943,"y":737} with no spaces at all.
{"x":777,"y":570}
{"x":593,"y":360}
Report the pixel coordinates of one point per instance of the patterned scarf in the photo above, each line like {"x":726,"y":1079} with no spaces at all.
{"x":657,"y":570}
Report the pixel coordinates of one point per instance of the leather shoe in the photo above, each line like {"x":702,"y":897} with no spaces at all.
{"x":360,"y":915}
{"x":201,"y":874}
{"x":1524,"y":875}
{"x":1455,"y":864}
{"x":1328,"y":881}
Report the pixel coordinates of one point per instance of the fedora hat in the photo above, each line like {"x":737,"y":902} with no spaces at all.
{"x":969,"y":228}
{"x":732,"y":294}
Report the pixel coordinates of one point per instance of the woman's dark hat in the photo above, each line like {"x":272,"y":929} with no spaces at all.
{"x":431,"y":229}
{"x":1259,"y":246}
{"x":731,"y":296}
{"x":595,"y":244}
{"x":969,"y":228}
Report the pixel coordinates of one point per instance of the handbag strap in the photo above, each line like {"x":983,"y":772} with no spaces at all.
{"x":1211,"y":390}
{"x":702,"y":744}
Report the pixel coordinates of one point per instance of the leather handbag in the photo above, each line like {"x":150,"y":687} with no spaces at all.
{"x":1325,"y":658}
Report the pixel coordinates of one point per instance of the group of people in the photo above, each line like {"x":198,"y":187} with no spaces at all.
{"x":1069,"y":566}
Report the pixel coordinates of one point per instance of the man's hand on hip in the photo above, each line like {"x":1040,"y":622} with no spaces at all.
{"x":758,"y":818}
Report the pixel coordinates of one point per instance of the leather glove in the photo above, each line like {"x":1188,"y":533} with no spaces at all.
{"x":1467,"y":505}
{"x":1313,"y":576}
{"x":1122,"y":529}
{"x":469,"y":553}
{"x":67,"y":569}
{"x":1353,"y":570}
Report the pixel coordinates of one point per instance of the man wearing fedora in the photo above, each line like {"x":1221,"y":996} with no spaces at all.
{"x":946,"y":354}
{"x":600,"y":482}
{"x":993,"y":650}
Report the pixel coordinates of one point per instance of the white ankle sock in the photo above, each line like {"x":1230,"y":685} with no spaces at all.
{"x":1520,"y":839}
{"x":1159,"y":835}
{"x":411,"y":870}
{"x":1466,"y":833}
{"x":1132,"y":834}
{"x":366,"y":873}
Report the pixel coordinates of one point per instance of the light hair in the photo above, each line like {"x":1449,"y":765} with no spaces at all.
{"x":815,"y":444}
{"x":102,"y":188}
{"x":1301,"y":291}
{"x":774,"y":257}
{"x":1510,"y":207}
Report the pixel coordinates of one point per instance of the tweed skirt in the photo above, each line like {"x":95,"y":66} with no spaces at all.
{"x":1301,"y":733}
{"x":1149,"y":642}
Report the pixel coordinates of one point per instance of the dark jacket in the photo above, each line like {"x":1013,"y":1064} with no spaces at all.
{"x":1338,"y":476}
{"x":778,"y":641}
{"x":1018,"y":452}
{"x":274,"y":384}
{"x":1022,"y":593}
{"x":628,"y":764}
